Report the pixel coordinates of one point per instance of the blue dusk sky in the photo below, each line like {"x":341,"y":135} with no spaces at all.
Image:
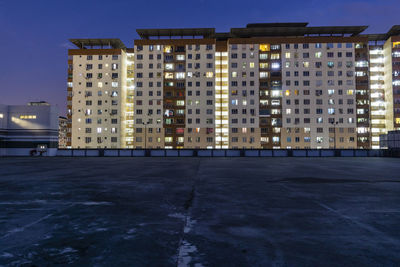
{"x":34,"y":33}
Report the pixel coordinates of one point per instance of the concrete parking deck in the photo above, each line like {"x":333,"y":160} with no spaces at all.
{"x":200,"y":211}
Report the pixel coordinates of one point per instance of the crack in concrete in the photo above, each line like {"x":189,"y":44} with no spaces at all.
{"x":184,"y":247}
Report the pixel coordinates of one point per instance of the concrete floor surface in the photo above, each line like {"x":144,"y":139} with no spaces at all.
{"x":200,"y":211}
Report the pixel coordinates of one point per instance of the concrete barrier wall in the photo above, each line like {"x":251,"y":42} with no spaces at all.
{"x":111,"y":153}
{"x":92,"y":153}
{"x":186,"y":153}
{"x":207,"y":152}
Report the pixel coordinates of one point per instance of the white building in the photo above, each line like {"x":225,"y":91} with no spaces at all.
{"x":27,"y":128}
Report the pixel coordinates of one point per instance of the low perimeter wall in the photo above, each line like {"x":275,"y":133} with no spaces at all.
{"x":227,"y":153}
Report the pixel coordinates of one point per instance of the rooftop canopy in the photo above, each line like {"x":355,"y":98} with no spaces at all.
{"x":204,"y":32}
{"x":95,"y":43}
{"x":296,"y":31}
{"x":395,"y":30}
{"x":271,"y":25}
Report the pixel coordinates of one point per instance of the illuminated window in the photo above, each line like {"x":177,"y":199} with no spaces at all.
{"x":169,"y":66}
{"x":263,"y":65}
{"x":100,"y":84}
{"x":263,"y":56}
{"x":167,"y":49}
{"x":396,"y":54}
{"x":180,"y":102}
{"x":287,"y":55}
{"x":234,"y":74}
{"x":275,"y":65}
{"x":180,"y":75}
{"x":318,"y":54}
{"x":396,"y":44}
{"x":287,"y":64}
{"x":209,"y":74}
{"x":168,"y":139}
{"x":306,"y":64}
{"x":287,"y":93}
{"x":26,"y":117}
{"x":98,"y":130}
{"x":169,"y":75}
{"x":275,"y":56}
{"x":251,"y":65}
{"x":350,"y":92}
{"x":180,"y":57}
{"x":397,"y":120}
{"x":1,"y":116}
{"x":263,"y":74}
{"x":266,"y":47}
{"x":275,"y":102}
{"x":114,"y":84}
{"x":276,"y":93}
{"x":296,"y":92}
{"x":288,"y":111}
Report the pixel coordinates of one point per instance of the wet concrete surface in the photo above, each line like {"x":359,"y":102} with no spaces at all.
{"x":200,"y":211}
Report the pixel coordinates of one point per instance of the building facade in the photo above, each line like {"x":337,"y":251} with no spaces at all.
{"x":62,"y":132}
{"x":273,"y":86}
{"x":24,"y":128}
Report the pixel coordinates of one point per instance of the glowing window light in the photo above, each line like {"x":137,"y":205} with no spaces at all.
{"x":264,"y":47}
{"x":27,"y":117}
{"x":396,"y":44}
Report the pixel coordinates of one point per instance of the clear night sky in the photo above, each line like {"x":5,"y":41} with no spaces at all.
{"x":34,"y":33}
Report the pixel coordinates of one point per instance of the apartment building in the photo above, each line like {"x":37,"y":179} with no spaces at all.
{"x":269,"y":85}
{"x":98,"y":94}
{"x":62,"y":132}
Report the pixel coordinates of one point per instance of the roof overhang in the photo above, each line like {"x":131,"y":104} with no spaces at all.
{"x":204,"y":32}
{"x":297,"y":31}
{"x":90,"y":43}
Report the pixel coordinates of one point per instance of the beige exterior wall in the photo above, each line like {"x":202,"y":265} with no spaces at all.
{"x":200,"y":96}
{"x":318,"y":90}
{"x":148,"y":97}
{"x":244,"y":95}
{"x":97,"y":100}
